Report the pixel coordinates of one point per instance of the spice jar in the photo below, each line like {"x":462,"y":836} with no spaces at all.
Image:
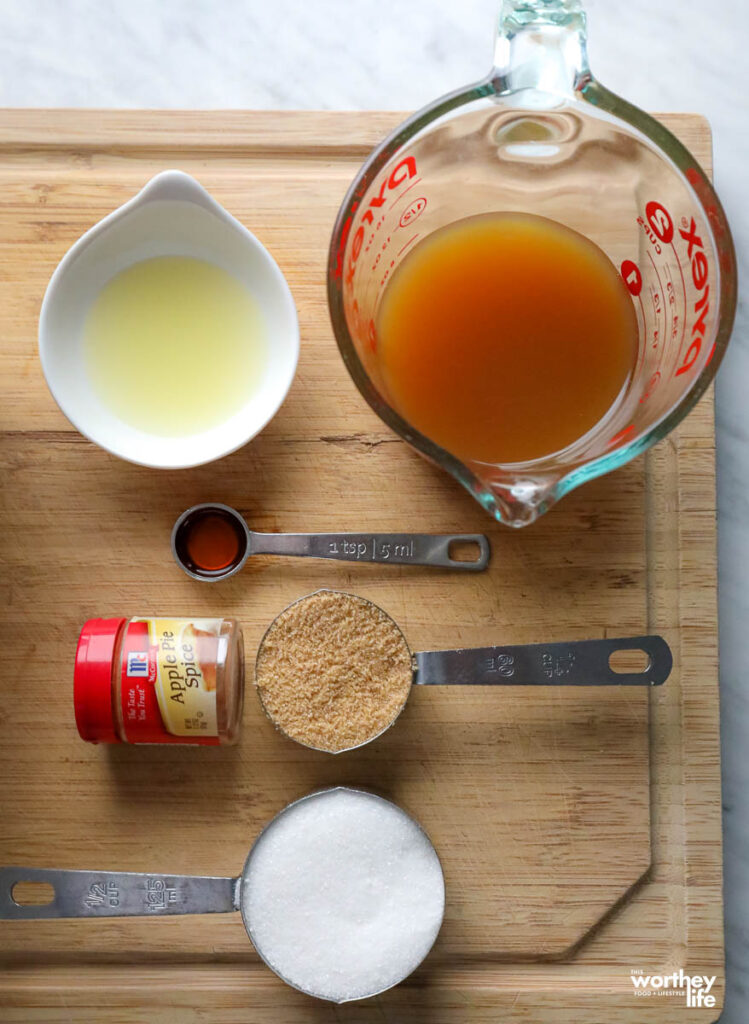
{"x":159,"y":680}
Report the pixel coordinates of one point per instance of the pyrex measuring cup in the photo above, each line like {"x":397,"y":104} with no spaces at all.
{"x":135,"y":894}
{"x":285,"y":651}
{"x":540,"y":135}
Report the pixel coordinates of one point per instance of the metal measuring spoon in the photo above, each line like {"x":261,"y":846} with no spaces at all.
{"x":141,"y":894}
{"x":238,"y":542}
{"x":572,"y":663}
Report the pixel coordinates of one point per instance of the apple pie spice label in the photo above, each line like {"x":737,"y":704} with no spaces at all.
{"x":168,"y":690}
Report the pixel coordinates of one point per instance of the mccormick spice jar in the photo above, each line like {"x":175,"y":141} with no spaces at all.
{"x":146,"y":680}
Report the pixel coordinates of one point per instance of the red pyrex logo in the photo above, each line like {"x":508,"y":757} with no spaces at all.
{"x":658,"y":225}
{"x":401,"y":172}
{"x":696,"y":255}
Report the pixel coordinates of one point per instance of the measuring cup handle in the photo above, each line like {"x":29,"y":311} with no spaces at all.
{"x":395,"y":548}
{"x":117,"y":894}
{"x":578,"y":663}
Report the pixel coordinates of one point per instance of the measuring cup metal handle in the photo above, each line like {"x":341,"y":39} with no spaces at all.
{"x":578,"y":663}
{"x":397,"y":548}
{"x":117,"y":894}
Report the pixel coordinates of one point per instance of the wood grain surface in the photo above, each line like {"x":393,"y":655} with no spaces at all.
{"x":579,"y":829}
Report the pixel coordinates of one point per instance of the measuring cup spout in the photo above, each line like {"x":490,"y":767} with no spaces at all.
{"x":517,"y":500}
{"x":541,"y":46}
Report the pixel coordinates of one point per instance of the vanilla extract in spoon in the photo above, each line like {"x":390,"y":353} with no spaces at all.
{"x":212,"y":541}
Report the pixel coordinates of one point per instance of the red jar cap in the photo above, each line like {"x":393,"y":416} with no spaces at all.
{"x":92,"y":681}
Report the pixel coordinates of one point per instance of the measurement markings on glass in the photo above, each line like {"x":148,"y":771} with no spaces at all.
{"x":398,"y":198}
{"x":684,"y":295}
{"x":659,"y":304}
{"x":671,"y":292}
{"x":404,"y":247}
{"x":644,"y":333}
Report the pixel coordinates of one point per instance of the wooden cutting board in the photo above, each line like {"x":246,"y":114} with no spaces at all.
{"x":579,"y":829}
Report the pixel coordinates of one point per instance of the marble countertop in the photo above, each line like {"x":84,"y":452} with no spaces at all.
{"x":681,"y":55}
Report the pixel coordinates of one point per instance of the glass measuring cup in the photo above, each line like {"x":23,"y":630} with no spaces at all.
{"x":541,"y":135}
{"x":136,"y":894}
{"x":326,"y":685}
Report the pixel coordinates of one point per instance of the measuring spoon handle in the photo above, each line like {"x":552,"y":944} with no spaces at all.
{"x":117,"y":894}
{"x":396,"y":548}
{"x":578,"y":663}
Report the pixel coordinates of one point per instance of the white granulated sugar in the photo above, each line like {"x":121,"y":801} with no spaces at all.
{"x":343,"y":895}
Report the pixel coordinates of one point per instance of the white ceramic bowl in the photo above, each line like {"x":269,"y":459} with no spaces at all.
{"x":172,"y":216}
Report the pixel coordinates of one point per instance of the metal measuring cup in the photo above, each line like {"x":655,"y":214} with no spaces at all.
{"x":570,"y":663}
{"x":385,"y":548}
{"x":142,"y":894}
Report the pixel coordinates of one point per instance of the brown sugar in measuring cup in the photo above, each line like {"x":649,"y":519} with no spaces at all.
{"x":334,"y":671}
